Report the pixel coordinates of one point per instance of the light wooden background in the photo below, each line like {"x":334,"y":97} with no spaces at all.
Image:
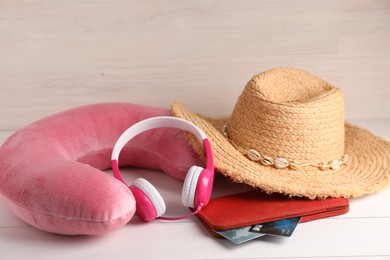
{"x":55,"y":55}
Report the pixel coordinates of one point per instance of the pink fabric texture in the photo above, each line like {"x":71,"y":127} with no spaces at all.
{"x":50,"y":171}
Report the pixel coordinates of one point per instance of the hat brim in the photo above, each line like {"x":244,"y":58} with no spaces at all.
{"x":367,"y":169}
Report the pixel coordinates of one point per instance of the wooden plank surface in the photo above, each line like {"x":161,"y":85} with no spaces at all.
{"x":60,"y":54}
{"x":360,"y":234}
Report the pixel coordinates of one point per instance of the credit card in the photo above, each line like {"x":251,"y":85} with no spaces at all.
{"x":239,"y":235}
{"x":283,"y":227}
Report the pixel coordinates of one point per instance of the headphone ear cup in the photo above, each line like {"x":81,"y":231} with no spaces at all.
{"x":149,"y":203}
{"x":189,"y":187}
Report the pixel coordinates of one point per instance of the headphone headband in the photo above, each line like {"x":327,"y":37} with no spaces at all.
{"x":159,"y":122}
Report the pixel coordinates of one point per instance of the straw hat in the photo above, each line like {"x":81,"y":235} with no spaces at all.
{"x":287,"y":134}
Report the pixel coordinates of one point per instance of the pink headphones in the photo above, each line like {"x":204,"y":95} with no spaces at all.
{"x":198,"y":183}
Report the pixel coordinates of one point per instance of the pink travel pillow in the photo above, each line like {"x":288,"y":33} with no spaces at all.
{"x":50,"y":171}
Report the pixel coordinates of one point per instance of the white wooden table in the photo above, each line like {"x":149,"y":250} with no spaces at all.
{"x":360,"y":234}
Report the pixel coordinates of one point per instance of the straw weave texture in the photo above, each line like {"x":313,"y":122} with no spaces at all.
{"x":297,"y":121}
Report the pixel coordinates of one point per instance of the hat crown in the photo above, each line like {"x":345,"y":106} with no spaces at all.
{"x":292,"y":114}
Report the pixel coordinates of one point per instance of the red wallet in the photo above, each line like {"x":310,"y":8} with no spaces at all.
{"x":256,"y":207}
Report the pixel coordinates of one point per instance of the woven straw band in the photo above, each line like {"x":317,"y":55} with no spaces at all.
{"x":303,"y":120}
{"x":281,"y":162}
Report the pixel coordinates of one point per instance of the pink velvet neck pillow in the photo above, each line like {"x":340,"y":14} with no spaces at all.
{"x":50,"y":171}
